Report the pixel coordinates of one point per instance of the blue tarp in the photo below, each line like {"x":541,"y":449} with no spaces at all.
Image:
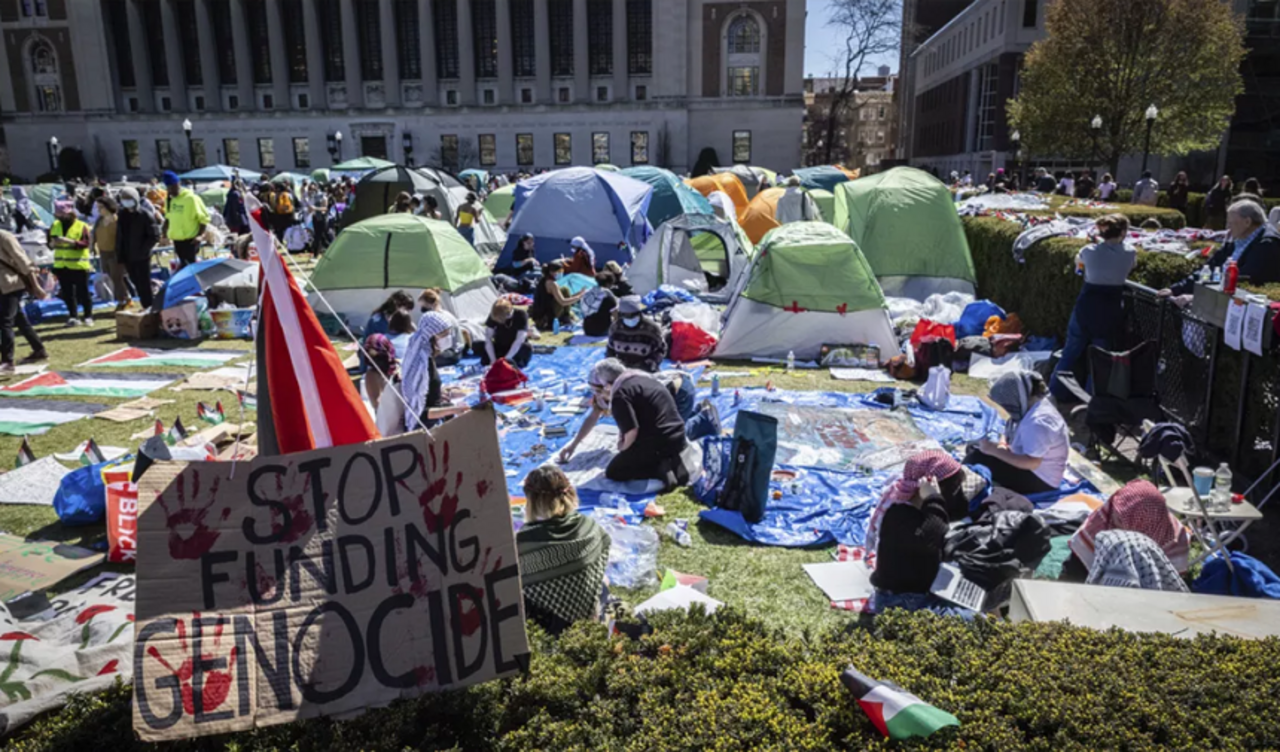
{"x":604,"y":208}
{"x":825,"y":178}
{"x":671,"y":197}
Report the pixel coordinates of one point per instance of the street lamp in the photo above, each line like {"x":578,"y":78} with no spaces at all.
{"x":186,"y":128}
{"x":1151,"y":114}
{"x":1015,"y":138}
{"x":53,"y":154}
{"x":335,"y":146}
{"x":407,"y":139}
{"x":1095,"y":128}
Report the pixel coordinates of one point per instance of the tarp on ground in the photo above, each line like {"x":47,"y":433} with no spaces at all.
{"x":372,"y":259}
{"x":726,"y":183}
{"x":219,"y":172}
{"x":808,"y":285}
{"x":774,"y":207}
{"x":673,"y":255}
{"x":24,"y":416}
{"x":603,"y":208}
{"x":906,"y":224}
{"x":88,"y":384}
{"x":824,"y":177}
{"x":127,"y":357}
{"x":671,"y":197}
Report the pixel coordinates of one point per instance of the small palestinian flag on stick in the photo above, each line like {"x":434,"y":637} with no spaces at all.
{"x":211,"y":415}
{"x":176,"y":433}
{"x":25,"y":455}
{"x":159,"y":428}
{"x":898,"y":714}
{"x":92,"y":455}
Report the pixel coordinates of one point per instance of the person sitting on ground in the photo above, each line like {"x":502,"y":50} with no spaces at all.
{"x":583,"y":260}
{"x":651,"y":435}
{"x":424,"y":403}
{"x":506,"y":335}
{"x":563,"y":555}
{"x":380,"y":354}
{"x":524,"y":258}
{"x":400,"y":327}
{"x":621,"y":287}
{"x":1252,"y":243}
{"x":635,"y":339}
{"x":598,"y":305}
{"x":700,"y":418}
{"x":961,"y":490}
{"x":1045,"y":183}
{"x":380,"y":323}
{"x":1085,"y":185}
{"x":1035,"y":459}
{"x":452,"y":344}
{"x":551,"y":302}
{"x":1139,"y":507}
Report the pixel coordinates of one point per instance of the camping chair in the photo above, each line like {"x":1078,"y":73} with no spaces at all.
{"x":1124,"y":395}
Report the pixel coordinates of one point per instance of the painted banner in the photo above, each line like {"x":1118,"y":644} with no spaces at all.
{"x":324,"y":582}
{"x":841,"y":439}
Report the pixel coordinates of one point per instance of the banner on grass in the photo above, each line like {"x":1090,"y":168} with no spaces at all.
{"x":323,"y":582}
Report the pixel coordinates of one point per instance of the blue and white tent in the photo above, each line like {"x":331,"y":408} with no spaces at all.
{"x":604,"y":208}
{"x":671,"y":197}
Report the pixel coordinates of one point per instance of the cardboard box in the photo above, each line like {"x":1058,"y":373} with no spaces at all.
{"x":137,"y":325}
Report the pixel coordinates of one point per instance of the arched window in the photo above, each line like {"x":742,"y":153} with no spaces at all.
{"x":744,"y":35}
{"x":742,"y":48}
{"x":42,"y":59}
{"x":45,"y":80}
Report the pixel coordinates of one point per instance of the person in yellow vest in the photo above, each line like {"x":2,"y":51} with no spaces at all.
{"x":185,"y":218}
{"x":69,"y":239}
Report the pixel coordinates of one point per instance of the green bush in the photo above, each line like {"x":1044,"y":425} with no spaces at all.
{"x":1043,"y":289}
{"x":727,"y":682}
{"x":1196,"y":216}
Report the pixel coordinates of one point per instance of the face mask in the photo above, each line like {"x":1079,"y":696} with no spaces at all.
{"x":555,"y":276}
{"x":631,"y":322}
{"x":129,"y":204}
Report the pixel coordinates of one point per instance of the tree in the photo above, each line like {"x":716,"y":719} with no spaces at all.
{"x":871,"y":28}
{"x":1114,"y":60}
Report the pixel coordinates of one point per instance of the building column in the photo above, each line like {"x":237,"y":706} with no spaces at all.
{"x":390,"y":58}
{"x":466,"y":55}
{"x":620,"y":88}
{"x":351,"y":55}
{"x":279,"y":57}
{"x":244,"y":59}
{"x":542,"y":52}
{"x":427,"y":46}
{"x":141,"y":63}
{"x":173,"y":58}
{"x":315,"y":55}
{"x":581,"y":76}
{"x":506,"y":90}
{"x":208,"y":58}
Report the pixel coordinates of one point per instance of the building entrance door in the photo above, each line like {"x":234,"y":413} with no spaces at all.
{"x":373,"y":146}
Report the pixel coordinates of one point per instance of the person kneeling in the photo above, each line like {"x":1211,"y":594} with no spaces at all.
{"x":563,"y":554}
{"x":1035,"y":459}
{"x":651,"y":435}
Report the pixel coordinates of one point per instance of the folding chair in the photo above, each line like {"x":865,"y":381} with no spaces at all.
{"x":1123,"y":397}
{"x":1215,"y":530}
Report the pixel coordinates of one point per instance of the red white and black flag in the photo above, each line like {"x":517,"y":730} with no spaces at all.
{"x":898,"y":714}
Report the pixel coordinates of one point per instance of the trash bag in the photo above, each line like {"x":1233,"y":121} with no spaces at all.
{"x":937,"y":390}
{"x":82,"y":496}
{"x":699,"y":314}
{"x":690,"y":342}
{"x":633,"y":553}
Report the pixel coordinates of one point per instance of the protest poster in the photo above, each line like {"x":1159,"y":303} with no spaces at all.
{"x":33,"y":565}
{"x":324,"y":582}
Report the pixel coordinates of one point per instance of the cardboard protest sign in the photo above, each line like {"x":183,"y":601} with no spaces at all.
{"x":32,"y":565}
{"x":320,"y":583}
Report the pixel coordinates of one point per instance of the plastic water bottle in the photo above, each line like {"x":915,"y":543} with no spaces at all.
{"x":1221,"y":496}
{"x":679,"y":533}
{"x":715,"y":385}
{"x":555,"y":326}
{"x":791,"y":361}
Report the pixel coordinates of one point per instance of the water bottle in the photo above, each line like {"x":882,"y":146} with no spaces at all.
{"x":791,"y":361}
{"x":715,"y":385}
{"x":679,"y":534}
{"x":1221,"y":496}
{"x":539,"y":403}
{"x":1217,"y":275}
{"x":555,"y":326}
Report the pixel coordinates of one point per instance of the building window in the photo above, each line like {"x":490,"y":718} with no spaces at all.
{"x":451,"y":97}
{"x":523,"y":44}
{"x":560,"y":21}
{"x":118,"y":20}
{"x":987,"y":105}
{"x":563,"y":95}
{"x":164,"y":154}
{"x":526,"y":96}
{"x":231,"y":151}
{"x":408,"y":44}
{"x":448,"y":148}
{"x":639,"y":147}
{"x":199,"y":103}
{"x":741,"y":147}
{"x":266,"y":154}
{"x":166,"y":104}
{"x":188,"y":32}
{"x":295,"y":39}
{"x":488,"y":149}
{"x":330,"y":16}
{"x":233,"y":102}
{"x":484,"y":32}
{"x":45,"y":76}
{"x":600,"y":38}
{"x":744,"y":81}
{"x":154,"y":29}
{"x":132,"y":157}
{"x":639,"y":37}
{"x":304,"y":101}
{"x":223,"y":44}
{"x":446,"y":31}
{"x":369,"y":32}
{"x":259,"y":42}
{"x":564,"y":149}
{"x":301,"y":152}
{"x":198,"y":158}
{"x":490,"y":96}
{"x":642,"y":92}
{"x":602,"y":93}
{"x":744,"y":36}
{"x":599,"y":148}
{"x":881,"y":113}
{"x":524,"y":149}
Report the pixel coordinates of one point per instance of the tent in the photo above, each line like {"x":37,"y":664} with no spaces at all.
{"x":476,"y":179}
{"x":219,"y":172}
{"x":773,"y":207}
{"x":673,"y":256}
{"x":372,"y":259}
{"x":808,"y":285}
{"x":439,"y":176}
{"x":726,"y":182}
{"x":605,"y":166}
{"x":215,"y":196}
{"x":906,"y":224}
{"x":671,"y":197}
{"x":825,"y":177}
{"x":826,"y":201}
{"x":499,"y":202}
{"x":194,"y":279}
{"x":377,"y":191}
{"x":361,"y":164}
{"x":295,"y":179}
{"x":749,"y":176}
{"x":320,"y":175}
{"x":604,"y":208}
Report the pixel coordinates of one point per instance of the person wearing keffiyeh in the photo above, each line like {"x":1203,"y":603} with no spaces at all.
{"x":1139,"y":507}
{"x":421,"y":383}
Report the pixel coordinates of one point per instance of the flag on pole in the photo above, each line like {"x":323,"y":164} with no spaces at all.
{"x":898,"y":714}
{"x":25,"y":455}
{"x":92,"y":455}
{"x":177,"y":432}
{"x":159,"y":428}
{"x":309,"y":401}
{"x":209,"y":414}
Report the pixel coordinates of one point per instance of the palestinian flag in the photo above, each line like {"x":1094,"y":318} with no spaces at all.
{"x":20,"y":417}
{"x":92,"y":454}
{"x":129,"y":357}
{"x":80,"y":384}
{"x":897,"y":713}
{"x":177,"y":432}
{"x":159,"y":428}
{"x":211,"y":415}
{"x":25,"y":455}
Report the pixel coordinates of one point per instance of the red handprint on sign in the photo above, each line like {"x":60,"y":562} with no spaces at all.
{"x":432,"y":516}
{"x":217,"y":684}
{"x":186,"y":515}
{"x":299,"y":518}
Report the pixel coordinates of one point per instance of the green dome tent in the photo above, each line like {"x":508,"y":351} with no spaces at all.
{"x":377,"y":191}
{"x":826,"y":201}
{"x":906,"y":224}
{"x":808,"y":285}
{"x":361,"y":164}
{"x":372,"y":259}
{"x":499,"y":202}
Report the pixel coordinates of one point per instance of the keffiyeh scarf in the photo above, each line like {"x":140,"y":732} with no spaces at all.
{"x":1138,"y":507}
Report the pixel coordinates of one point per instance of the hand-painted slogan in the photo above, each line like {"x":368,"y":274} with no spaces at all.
{"x":319,"y":583}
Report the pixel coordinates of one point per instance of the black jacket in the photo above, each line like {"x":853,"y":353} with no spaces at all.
{"x":1260,"y":263}
{"x":136,"y":235}
{"x":910,"y":548}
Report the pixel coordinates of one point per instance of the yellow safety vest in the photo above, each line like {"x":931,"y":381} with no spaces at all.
{"x":71,"y":258}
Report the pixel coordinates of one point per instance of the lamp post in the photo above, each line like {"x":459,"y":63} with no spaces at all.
{"x":407,"y":141}
{"x":54,"y":149}
{"x":335,"y":146}
{"x":1095,"y":128}
{"x":186,"y":129}
{"x":1015,"y":139}
{"x":1151,"y":114}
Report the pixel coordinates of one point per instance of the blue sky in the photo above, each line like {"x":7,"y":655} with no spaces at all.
{"x":822,"y":41}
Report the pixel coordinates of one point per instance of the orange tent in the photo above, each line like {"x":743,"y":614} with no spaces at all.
{"x":853,"y":174}
{"x":761,"y":215}
{"x":722,"y":181}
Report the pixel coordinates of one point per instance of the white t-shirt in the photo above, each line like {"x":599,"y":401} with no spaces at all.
{"x":1043,"y":434}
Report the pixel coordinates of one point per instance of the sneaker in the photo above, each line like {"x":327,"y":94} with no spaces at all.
{"x":38,"y":356}
{"x":88,"y":321}
{"x":73,"y":321}
{"x":6,"y":369}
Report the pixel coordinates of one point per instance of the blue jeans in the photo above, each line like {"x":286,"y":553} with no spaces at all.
{"x":697,"y":423}
{"x":884,"y":600}
{"x":1093,"y":323}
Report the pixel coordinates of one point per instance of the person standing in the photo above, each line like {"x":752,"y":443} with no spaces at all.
{"x":104,"y":244}
{"x":234,"y":212}
{"x":1107,"y":188}
{"x":1178,"y":193}
{"x":137,"y":232}
{"x":185,"y":219}
{"x":1146,"y":190}
{"x":468,"y":216}
{"x":17,"y":276}
{"x":319,"y":221}
{"x":69,"y":239}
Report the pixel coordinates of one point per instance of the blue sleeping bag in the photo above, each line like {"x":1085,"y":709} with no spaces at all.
{"x":973,"y":322}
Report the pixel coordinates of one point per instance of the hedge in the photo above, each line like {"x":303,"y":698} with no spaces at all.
{"x":1137,"y":213}
{"x":1196,"y":216}
{"x":1043,"y":289}
{"x":727,"y":682}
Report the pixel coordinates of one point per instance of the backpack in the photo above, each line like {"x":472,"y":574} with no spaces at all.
{"x":755,"y":445}
{"x":934,"y":351}
{"x":284,"y":203}
{"x":503,"y":376}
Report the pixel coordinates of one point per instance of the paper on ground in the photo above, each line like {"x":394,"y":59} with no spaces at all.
{"x":586,"y":468}
{"x":681,"y":597}
{"x":983,"y":367}
{"x":33,"y":565}
{"x":34,"y":483}
{"x":841,"y":580}
{"x":861,"y":374}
